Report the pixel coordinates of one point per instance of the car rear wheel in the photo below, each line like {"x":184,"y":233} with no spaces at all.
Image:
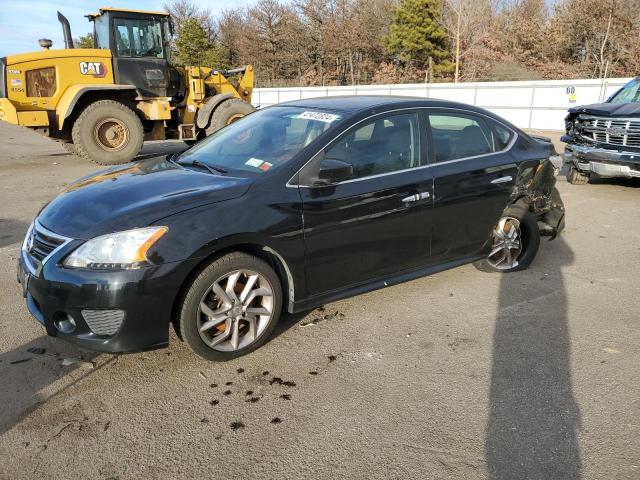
{"x":576,"y":177}
{"x":231,"y":307}
{"x":514,"y":243}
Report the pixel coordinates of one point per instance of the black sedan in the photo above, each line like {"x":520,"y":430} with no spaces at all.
{"x":292,"y":207}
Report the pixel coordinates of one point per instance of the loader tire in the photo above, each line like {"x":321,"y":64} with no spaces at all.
{"x":108,"y":132}
{"x":69,"y":147}
{"x":228,"y":112}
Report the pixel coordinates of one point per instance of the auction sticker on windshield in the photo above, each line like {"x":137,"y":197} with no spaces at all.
{"x":319,"y":116}
{"x":254,"y":162}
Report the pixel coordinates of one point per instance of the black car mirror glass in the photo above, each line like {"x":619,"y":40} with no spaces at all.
{"x":333,"y":171}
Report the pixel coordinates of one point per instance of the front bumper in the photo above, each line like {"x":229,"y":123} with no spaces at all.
{"x":604,"y":162}
{"x":92,"y":300}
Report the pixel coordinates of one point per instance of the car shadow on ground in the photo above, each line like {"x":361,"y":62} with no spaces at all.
{"x":533,"y":417}
{"x":28,"y":376}
{"x":12,"y":231}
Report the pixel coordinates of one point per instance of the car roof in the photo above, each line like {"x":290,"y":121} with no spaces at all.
{"x":352,"y":105}
{"x":357,"y":103}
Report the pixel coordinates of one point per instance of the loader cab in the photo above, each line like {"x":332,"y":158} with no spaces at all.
{"x":140,"y":45}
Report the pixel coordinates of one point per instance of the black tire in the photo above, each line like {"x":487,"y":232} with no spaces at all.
{"x":529,"y":237}
{"x":189,"y":307}
{"x":98,"y":121}
{"x":576,"y":177}
{"x":228,"y":112}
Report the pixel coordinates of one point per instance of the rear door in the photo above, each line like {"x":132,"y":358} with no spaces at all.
{"x":378,"y":222}
{"x":474,"y":174}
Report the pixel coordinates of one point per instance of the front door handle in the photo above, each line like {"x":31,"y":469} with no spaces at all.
{"x":416,"y":197}
{"x":506,"y":179}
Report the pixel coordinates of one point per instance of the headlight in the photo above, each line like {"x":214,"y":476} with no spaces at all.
{"x":117,"y":251}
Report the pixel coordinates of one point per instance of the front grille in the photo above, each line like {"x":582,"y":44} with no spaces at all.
{"x":43,"y":244}
{"x":40,"y":244}
{"x":103,"y":322}
{"x":621,"y":132}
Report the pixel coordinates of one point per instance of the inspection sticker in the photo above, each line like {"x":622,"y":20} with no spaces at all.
{"x":319,"y":116}
{"x":254,"y":162}
{"x":265,"y":166}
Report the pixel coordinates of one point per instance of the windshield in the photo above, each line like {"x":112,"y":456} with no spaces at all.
{"x":263,"y":140}
{"x":630,"y":93}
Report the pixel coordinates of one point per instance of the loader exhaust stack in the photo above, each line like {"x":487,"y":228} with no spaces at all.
{"x":66,"y":31}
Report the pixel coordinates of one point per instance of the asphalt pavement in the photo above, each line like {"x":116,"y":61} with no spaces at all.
{"x":463,"y":374}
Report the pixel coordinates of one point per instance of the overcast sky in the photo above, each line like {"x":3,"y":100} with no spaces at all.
{"x":23,"y":22}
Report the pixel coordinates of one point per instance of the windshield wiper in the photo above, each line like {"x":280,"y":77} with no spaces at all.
{"x":197,"y":163}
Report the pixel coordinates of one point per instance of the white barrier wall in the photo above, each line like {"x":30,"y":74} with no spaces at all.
{"x":534,"y":104}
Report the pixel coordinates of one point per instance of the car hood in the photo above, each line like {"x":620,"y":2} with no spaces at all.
{"x":134,"y":195}
{"x":609,"y":109}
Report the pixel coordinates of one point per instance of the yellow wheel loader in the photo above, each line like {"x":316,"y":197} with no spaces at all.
{"x":103,"y":102}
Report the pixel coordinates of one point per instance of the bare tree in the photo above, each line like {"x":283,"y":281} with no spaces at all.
{"x":466,"y":22}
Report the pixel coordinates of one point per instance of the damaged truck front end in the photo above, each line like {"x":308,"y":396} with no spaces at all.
{"x":604,"y":139}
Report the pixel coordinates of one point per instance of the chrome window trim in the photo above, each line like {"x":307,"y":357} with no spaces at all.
{"x":468,"y":112}
{"x":25,"y":254}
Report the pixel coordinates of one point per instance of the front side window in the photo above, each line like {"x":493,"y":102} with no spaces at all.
{"x":101,"y":32}
{"x":138,"y":38}
{"x":457,"y":136}
{"x":263,"y":140}
{"x":384,"y":145}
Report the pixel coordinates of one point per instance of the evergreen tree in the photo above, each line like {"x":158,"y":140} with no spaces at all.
{"x":416,"y":34}
{"x":194,"y":47}
{"x":85,"y":41}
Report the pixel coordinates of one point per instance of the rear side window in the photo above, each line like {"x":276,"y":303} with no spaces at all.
{"x":457,"y":136}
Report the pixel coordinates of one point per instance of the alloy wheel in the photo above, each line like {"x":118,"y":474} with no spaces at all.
{"x":235,"y":310}
{"x":507,"y":244}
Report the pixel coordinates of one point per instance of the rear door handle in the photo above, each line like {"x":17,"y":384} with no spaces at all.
{"x":506,"y":179}
{"x":416,"y":197}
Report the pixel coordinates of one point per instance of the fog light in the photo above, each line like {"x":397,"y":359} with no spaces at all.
{"x":64,"y":323}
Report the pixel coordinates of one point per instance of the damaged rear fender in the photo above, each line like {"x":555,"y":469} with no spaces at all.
{"x":535,"y":188}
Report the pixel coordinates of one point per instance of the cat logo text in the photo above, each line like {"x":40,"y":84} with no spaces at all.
{"x":95,"y":69}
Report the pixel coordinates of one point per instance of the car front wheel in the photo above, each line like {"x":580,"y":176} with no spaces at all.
{"x":231,"y":307}
{"x":514,"y":242}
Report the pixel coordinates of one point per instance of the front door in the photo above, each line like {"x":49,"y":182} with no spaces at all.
{"x":474,"y":175}
{"x":378,"y":222}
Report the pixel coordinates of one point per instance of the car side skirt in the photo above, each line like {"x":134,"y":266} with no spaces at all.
{"x":351,"y":291}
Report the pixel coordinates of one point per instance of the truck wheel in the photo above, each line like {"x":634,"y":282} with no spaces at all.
{"x":515,"y":242}
{"x":228,"y":112}
{"x":576,"y":177}
{"x":108,"y":132}
{"x":231,"y":307}
{"x":69,"y":147}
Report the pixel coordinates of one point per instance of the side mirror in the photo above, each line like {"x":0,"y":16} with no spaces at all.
{"x":333,"y":171}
